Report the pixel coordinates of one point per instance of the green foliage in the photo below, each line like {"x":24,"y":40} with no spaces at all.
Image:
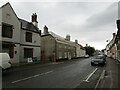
{"x":89,"y":50}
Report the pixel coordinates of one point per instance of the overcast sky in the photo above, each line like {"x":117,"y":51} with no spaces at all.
{"x":90,"y":22}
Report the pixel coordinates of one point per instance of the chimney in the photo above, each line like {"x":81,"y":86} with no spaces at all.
{"x":76,"y":41}
{"x":114,"y":34}
{"x":68,"y":37}
{"x":45,"y":29}
{"x":86,"y":45}
{"x":34,"y":19}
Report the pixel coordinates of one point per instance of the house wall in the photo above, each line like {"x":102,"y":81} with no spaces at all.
{"x":35,"y":45}
{"x":78,"y":51}
{"x":82,"y":53}
{"x":9,"y":17}
{"x":113,"y":52}
{"x":54,"y":49}
{"x":48,"y":49}
{"x":65,"y":50}
{"x":118,"y":52}
{"x":36,"y":53}
{"x":36,"y":38}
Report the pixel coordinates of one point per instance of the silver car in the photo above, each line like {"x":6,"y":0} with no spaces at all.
{"x":98,"y":60}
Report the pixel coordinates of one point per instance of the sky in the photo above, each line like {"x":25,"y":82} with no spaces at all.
{"x":90,"y":22}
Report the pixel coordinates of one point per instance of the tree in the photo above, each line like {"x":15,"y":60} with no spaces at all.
{"x":89,"y":50}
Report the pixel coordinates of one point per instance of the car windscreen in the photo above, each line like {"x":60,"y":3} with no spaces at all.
{"x":97,"y":57}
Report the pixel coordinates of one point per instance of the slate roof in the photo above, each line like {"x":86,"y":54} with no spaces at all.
{"x":56,"y":36}
{"x":29,"y":26}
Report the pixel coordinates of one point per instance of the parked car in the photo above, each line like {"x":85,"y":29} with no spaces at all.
{"x":98,"y":60}
{"x":86,"y":56}
{"x":5,"y":61}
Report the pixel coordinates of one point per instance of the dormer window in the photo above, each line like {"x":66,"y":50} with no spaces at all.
{"x":28,"y":37}
{"x":7,"y":30}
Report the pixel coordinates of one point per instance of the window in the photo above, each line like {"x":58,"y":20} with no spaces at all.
{"x":7,"y":30}
{"x":28,"y":52}
{"x":28,"y":37}
{"x":65,"y":54}
{"x":60,"y":55}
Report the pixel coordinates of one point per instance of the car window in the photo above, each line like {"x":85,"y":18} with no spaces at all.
{"x":97,"y":57}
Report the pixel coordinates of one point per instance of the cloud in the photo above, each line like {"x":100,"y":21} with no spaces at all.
{"x":104,"y":18}
{"x":86,"y":21}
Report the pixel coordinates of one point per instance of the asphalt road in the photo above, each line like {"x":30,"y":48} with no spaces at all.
{"x":75,"y":73}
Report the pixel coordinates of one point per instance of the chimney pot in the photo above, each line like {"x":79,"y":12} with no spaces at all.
{"x":45,"y":29}
{"x":76,"y":41}
{"x":68,"y":37}
{"x":114,"y":34}
{"x":34,"y":17}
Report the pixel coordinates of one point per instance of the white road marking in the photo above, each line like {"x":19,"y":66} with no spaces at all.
{"x":32,"y":77}
{"x":86,"y":80}
{"x":101,"y":77}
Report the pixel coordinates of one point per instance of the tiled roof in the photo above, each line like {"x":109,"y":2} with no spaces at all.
{"x":56,"y":36}
{"x":28,"y":26}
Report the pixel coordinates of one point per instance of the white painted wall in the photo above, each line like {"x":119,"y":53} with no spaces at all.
{"x":36,"y":38}
{"x":19,"y":35}
{"x":16,"y":56}
{"x":36,"y":41}
{"x":12,"y":20}
{"x":9,"y":17}
{"x":36,"y":53}
{"x":80,"y":52}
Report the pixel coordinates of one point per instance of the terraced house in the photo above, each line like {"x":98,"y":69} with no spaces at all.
{"x":111,"y":47}
{"x":55,"y":47}
{"x":20,"y":38}
{"x":117,"y":41}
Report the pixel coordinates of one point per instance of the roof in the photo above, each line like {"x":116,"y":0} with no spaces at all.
{"x":25,"y":24}
{"x":81,"y":46}
{"x":56,"y":36}
{"x":28,"y":26}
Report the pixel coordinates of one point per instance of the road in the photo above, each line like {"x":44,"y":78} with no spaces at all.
{"x":75,"y":73}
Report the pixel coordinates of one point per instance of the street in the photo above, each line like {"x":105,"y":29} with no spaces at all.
{"x":59,"y":45}
{"x":77,"y":73}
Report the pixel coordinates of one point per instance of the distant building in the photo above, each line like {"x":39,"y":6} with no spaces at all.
{"x":80,"y":50}
{"x":117,"y":41}
{"x":55,"y":47}
{"x":20,"y":38}
{"x":111,"y":48}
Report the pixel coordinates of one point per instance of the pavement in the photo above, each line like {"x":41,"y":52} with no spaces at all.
{"x":110,"y":76}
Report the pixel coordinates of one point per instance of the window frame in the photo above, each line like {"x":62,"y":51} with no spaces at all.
{"x":27,"y":54}
{"x":28,"y":37}
{"x":11,"y":30}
